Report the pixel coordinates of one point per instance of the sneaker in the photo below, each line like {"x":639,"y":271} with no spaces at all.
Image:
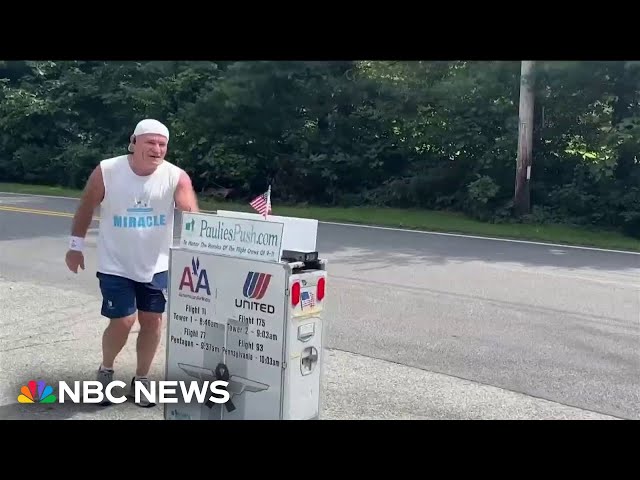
{"x":105,"y":376}
{"x":144,"y":402}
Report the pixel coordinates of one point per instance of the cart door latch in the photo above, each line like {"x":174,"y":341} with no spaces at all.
{"x":308,"y":360}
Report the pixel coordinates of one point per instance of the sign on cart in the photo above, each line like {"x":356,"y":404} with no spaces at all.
{"x":233,"y":237}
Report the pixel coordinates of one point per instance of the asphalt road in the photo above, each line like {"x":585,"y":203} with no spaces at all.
{"x":534,"y":321}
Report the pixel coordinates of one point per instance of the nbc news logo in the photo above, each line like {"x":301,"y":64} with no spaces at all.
{"x":36,"y":392}
{"x":92,"y":391}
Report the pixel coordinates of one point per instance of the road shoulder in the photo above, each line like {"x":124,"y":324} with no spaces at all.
{"x":58,"y":338}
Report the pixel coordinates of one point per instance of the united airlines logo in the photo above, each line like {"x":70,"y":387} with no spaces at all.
{"x":255,"y":288}
{"x":256,"y":284}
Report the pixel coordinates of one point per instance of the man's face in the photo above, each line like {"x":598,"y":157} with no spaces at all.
{"x":151,"y":149}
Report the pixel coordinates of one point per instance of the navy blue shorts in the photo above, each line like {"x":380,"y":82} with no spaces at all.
{"x":121,"y":296}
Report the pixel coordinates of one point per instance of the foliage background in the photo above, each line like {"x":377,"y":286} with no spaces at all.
{"x":439,"y":135}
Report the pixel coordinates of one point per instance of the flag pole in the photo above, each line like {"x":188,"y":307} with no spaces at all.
{"x":266,"y":212}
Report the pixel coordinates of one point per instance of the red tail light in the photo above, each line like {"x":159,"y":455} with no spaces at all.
{"x":320,"y":289}
{"x":295,"y":294}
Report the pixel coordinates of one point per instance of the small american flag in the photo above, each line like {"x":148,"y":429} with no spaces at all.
{"x":307,"y":299}
{"x":262,"y":203}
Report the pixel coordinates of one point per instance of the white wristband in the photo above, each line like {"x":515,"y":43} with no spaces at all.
{"x":76,"y":243}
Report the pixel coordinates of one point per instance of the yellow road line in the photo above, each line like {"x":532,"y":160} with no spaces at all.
{"x":34,"y":211}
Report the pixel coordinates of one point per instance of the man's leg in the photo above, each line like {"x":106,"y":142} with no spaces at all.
{"x":119,"y":306}
{"x":115,"y":338}
{"x":148,"y":340}
{"x":151,"y":301}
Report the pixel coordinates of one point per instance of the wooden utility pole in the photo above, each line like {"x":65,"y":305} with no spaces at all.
{"x":521,"y":200}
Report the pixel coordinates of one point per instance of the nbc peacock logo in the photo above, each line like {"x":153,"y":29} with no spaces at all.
{"x":36,"y":392}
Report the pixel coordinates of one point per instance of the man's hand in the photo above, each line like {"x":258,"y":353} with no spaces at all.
{"x":91,"y":197}
{"x":74,"y":260}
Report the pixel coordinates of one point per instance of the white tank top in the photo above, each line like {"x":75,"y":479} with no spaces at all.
{"x":136,"y":220}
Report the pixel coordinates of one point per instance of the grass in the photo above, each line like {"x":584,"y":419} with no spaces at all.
{"x":411,"y":219}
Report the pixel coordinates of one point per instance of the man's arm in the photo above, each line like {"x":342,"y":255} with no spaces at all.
{"x":91,"y":197}
{"x":185,"y":196}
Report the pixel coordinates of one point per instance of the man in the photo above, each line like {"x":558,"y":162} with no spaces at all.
{"x":137,"y":194}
